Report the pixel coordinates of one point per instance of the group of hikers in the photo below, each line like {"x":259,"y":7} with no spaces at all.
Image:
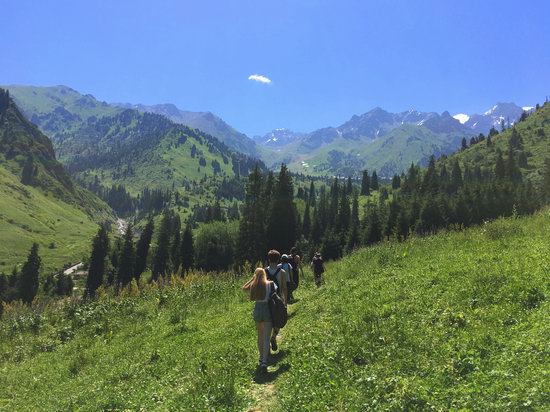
{"x":272,"y":290}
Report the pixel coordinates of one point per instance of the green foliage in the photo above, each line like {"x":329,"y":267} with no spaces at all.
{"x":96,"y":269}
{"x":398,"y":326}
{"x":215,"y":245}
{"x":28,"y":278}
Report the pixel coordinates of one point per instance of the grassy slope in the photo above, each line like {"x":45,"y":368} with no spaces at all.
{"x":27,"y":215}
{"x":451,"y":321}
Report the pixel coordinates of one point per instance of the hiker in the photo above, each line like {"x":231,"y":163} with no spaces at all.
{"x":287,"y":267}
{"x":278,"y":276}
{"x":318,"y":268}
{"x":260,"y":289}
{"x":296,"y":263}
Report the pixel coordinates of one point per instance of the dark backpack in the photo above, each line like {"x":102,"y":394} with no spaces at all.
{"x":295,"y":273}
{"x":277,"y":308}
{"x":318,"y":267}
{"x":273,"y":277}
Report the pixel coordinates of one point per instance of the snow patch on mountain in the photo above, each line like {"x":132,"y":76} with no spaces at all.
{"x":461,"y":117}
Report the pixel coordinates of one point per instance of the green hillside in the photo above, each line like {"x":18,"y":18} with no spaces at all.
{"x":58,"y":109}
{"x":39,"y":202}
{"x":534,"y":135}
{"x":391,"y":153}
{"x":104,"y":146}
{"x":400,"y":326}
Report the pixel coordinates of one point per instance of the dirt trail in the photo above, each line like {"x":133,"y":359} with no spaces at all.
{"x":263,"y":388}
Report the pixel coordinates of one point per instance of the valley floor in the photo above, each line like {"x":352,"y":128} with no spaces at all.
{"x":457,"y":321}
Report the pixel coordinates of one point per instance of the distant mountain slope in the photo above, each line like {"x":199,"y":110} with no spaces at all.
{"x":278,"y":138}
{"x":59,"y":109}
{"x":380,"y":140}
{"x":136,"y":148}
{"x":204,"y":121}
{"x":143,"y":150}
{"x":39,"y":202}
{"x":507,"y":113}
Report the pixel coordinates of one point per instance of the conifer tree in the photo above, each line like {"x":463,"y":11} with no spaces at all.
{"x":281,"y":229}
{"x":396,"y":182}
{"x":500,"y":168}
{"x":312,"y":195}
{"x":142,"y":249}
{"x":430,"y":182}
{"x":96,"y":270}
{"x":27,"y":175}
{"x":126,"y":267}
{"x":511,"y":169}
{"x":187,"y":252}
{"x":365,"y":184}
{"x":251,"y":239}
{"x":545,"y":188}
{"x":162,"y":251}
{"x":349,"y":187}
{"x":464,"y":144}
{"x":28,"y":278}
{"x":344,"y":213}
{"x":306,"y":223}
{"x":374,"y":181}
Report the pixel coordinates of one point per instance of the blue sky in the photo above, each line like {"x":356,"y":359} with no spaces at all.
{"x":326,"y":60}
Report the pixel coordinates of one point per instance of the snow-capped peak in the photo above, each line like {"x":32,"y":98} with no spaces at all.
{"x":527,"y":108}
{"x":461,"y":117}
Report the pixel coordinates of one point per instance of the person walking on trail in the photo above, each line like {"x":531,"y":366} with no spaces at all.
{"x":260,"y":290}
{"x":318,"y":267}
{"x":296,"y":262}
{"x":287,"y":267}
{"x":278,"y":276}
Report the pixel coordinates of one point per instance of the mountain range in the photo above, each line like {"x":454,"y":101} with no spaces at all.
{"x":380,"y":140}
{"x":377,"y":139}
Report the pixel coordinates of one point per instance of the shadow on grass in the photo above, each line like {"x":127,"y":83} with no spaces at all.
{"x":277,"y":357}
{"x":271,"y":375}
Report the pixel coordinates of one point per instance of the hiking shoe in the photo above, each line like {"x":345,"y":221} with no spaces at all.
{"x":263,"y":369}
{"x":273,"y":344}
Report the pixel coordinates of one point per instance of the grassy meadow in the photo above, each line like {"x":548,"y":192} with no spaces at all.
{"x":456,"y":321}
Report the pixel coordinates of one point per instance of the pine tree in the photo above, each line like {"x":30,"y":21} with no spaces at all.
{"x":374,"y":181}
{"x":312,"y":195}
{"x":395,"y":182}
{"x":430,"y":183}
{"x":126,"y":267}
{"x":27,"y":175}
{"x":500,"y":168}
{"x":464,"y":144}
{"x":365,"y":184}
{"x":349,"y":187}
{"x":96,"y":270}
{"x":142,"y":249}
{"x":251,"y":239}
{"x":162,"y":251}
{"x":511,"y":169}
{"x":28,"y":278}
{"x":187,"y":252}
{"x":344,"y":213}
{"x":545,"y":189}
{"x":306,"y":223}
{"x":281,"y":229}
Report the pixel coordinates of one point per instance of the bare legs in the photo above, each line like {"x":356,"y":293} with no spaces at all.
{"x":264,"y":333}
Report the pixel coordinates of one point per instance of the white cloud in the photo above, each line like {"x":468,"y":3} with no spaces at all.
{"x":259,"y":78}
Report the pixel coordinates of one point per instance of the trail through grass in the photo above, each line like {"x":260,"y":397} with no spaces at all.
{"x":458,"y":321}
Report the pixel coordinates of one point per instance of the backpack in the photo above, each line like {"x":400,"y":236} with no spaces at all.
{"x":277,"y":309}
{"x":273,"y":277}
{"x":295,"y":275}
{"x":318,"y":265}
